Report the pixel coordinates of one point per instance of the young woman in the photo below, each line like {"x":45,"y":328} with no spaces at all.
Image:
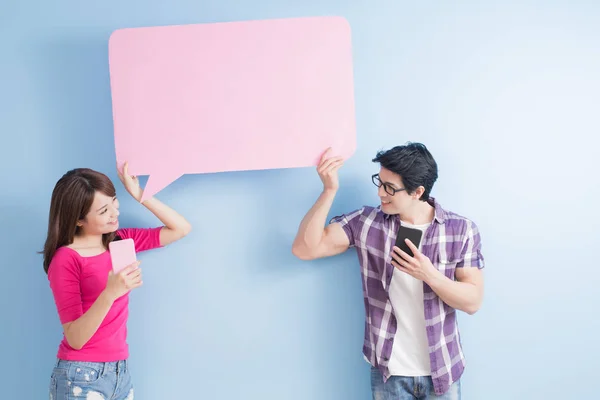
{"x":92,"y":301}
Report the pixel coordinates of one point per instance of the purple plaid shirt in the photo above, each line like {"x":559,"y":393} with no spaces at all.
{"x":450,"y":242}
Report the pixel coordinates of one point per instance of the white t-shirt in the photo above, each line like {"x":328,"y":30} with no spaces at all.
{"x":410,"y":352}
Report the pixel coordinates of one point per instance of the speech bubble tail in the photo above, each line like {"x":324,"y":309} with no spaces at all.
{"x":157,"y":182}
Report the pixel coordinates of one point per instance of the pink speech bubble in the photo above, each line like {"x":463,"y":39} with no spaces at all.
{"x":231,"y":96}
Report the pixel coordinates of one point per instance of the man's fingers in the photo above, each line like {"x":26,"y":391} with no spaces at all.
{"x":325,"y":154}
{"x":325,"y":165}
{"x":413,"y":248}
{"x":333,"y":167}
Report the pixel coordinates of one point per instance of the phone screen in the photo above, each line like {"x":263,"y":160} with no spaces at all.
{"x":122,"y":254}
{"x":412,"y":234}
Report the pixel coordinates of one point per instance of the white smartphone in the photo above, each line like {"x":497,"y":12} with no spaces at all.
{"x":122,"y":254}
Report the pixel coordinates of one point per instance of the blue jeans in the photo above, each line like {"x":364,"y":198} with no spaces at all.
{"x":81,"y":380}
{"x":409,"y":388}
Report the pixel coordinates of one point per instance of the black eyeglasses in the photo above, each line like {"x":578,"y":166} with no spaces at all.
{"x":386,"y":186}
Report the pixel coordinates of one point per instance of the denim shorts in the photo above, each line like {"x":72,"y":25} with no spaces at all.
{"x":82,"y":380}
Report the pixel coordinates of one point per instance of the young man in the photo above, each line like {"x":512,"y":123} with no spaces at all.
{"x":412,"y":339}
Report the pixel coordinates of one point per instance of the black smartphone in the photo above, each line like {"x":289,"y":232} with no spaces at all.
{"x":412,"y":234}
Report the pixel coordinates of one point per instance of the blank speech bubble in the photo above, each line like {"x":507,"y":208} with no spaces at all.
{"x":232,"y":96}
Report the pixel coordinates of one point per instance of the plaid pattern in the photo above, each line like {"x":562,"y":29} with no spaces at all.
{"x":450,"y":242}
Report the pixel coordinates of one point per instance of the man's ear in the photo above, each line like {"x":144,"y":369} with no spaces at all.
{"x":418,"y":193}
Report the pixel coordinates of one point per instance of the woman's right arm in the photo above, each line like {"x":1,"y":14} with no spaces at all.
{"x":80,"y":331}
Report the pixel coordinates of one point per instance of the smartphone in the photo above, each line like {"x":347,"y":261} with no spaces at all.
{"x":412,"y":234}
{"x":122,"y":254}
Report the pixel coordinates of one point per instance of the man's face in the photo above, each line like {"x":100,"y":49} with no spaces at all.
{"x":393,"y":195}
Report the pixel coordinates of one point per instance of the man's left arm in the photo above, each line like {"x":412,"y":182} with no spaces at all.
{"x":466,"y":292}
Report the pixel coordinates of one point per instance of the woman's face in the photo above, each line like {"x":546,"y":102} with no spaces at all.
{"x":103,"y":216}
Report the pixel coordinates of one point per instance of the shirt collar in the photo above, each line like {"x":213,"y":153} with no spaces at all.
{"x":439,"y":217}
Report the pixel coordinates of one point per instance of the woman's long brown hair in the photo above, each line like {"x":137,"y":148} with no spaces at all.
{"x":71,"y":201}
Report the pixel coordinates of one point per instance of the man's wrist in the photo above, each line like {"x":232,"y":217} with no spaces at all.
{"x":435,"y":279}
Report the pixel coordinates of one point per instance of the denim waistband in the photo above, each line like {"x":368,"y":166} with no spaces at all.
{"x":102,"y":367}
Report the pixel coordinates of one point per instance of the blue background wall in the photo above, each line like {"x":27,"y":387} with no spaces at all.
{"x":506,"y":97}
